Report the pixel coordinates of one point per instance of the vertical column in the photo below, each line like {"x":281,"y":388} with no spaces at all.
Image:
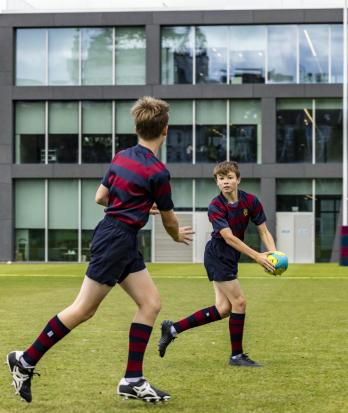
{"x":6,"y":151}
{"x":268,"y":190}
{"x":153,"y":55}
{"x":268,"y":140}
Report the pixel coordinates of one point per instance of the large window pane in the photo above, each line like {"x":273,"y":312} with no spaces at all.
{"x":130,"y":55}
{"x":179,"y":140}
{"x":211,"y":54}
{"x":245,"y":130}
{"x":294,"y":130}
{"x":206,"y":190}
{"x":177,"y":54}
{"x":328,"y":132}
{"x":30,"y":132}
{"x":182,"y":194}
{"x":247,"y":54}
{"x":91,"y":212}
{"x":63,"y":56}
{"x":63,"y":121}
{"x":125,"y":129}
{"x":96,"y":56}
{"x":294,"y":195}
{"x":314,"y":53}
{"x":211,"y":131}
{"x":282,"y":46}
{"x":336,"y":53}
{"x":30,"y":57}
{"x":96,"y":132}
{"x":30,"y":245}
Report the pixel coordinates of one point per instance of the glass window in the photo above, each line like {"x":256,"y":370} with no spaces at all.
{"x":179,"y":140}
{"x":247,"y":54}
{"x":182,"y":194}
{"x":144,"y":244}
{"x":336,"y":53}
{"x":206,"y":190}
{"x":294,"y":195}
{"x":63,"y":125}
{"x":91,"y":212}
{"x":31,"y":43}
{"x":30,"y":132}
{"x":252,"y":186}
{"x":30,"y":245}
{"x":130,"y":55}
{"x":211,"y":54}
{"x":282,"y":60}
{"x":125,"y":129}
{"x":177,"y":54}
{"x":96,"y":132}
{"x":62,"y":220}
{"x":96,"y":49}
{"x":63,"y":56}
{"x":211,"y":131}
{"x":328,"y":132}
{"x":294,"y":130}
{"x":314,"y":53}
{"x":245,"y":130}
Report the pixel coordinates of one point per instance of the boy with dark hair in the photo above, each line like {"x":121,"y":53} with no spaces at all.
{"x":135,"y":181}
{"x":229,"y":214}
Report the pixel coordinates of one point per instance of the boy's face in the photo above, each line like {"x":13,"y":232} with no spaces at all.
{"x":227,"y":183}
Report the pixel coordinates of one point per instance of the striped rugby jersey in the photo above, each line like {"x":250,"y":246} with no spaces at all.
{"x":223,"y":214}
{"x":136,"y":179}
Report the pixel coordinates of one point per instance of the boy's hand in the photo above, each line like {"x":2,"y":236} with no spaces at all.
{"x":154,"y":210}
{"x":184,"y":235}
{"x":263,"y":261}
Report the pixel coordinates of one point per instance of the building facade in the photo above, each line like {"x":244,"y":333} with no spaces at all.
{"x":261,"y":87}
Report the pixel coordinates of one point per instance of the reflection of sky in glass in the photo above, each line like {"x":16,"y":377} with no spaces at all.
{"x":211,"y":53}
{"x":63,"y":52}
{"x":282,"y":54}
{"x":30,"y":64}
{"x":336,"y":53}
{"x":314,"y":53}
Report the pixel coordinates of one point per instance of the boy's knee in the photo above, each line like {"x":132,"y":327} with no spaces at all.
{"x":152,"y":306}
{"x":224,"y":308}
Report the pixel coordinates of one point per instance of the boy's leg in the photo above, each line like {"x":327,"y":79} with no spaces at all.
{"x":170,"y":329}
{"x":22,"y":364}
{"x":233,"y":291}
{"x":141,"y":288}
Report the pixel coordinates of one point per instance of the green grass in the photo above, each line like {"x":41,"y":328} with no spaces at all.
{"x":297,"y":326}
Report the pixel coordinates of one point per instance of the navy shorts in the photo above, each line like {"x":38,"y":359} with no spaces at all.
{"x":114,"y":252}
{"x":220,"y":260}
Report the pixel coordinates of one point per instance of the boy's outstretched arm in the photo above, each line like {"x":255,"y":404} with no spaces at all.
{"x":171,"y":225}
{"x":239,"y":245}
{"x":266,"y":237}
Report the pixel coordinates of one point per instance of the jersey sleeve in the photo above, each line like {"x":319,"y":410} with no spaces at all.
{"x":217,"y":216}
{"x":257,"y":214}
{"x":162,"y":191}
{"x":106,"y":179}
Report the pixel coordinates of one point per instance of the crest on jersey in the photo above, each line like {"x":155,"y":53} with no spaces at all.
{"x":245,"y":212}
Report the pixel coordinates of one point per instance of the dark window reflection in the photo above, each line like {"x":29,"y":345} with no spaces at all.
{"x":329,"y":135}
{"x":62,"y":245}
{"x":294,"y":135}
{"x":247,"y":67}
{"x":210,"y":143}
{"x":62,"y":148}
{"x":179,"y":144}
{"x":243,"y":143}
{"x":30,"y":245}
{"x":32,"y":148}
{"x":96,"y":149}
{"x":125,"y":140}
{"x":294,"y":203}
{"x":144,"y":244}
{"x":86,"y":238}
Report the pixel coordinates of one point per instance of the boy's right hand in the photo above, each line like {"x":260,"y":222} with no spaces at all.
{"x":261,"y":259}
{"x":184,"y":235}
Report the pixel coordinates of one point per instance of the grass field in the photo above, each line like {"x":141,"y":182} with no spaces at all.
{"x":297,"y":327}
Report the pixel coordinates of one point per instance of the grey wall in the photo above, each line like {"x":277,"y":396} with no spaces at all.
{"x":268,"y":94}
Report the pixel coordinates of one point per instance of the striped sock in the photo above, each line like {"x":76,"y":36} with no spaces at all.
{"x":139,"y":335}
{"x":236,"y":325}
{"x":51,"y":334}
{"x":199,"y":318}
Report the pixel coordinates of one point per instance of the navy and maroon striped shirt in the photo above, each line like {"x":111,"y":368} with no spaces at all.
{"x":136,"y":179}
{"x":223,"y":214}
